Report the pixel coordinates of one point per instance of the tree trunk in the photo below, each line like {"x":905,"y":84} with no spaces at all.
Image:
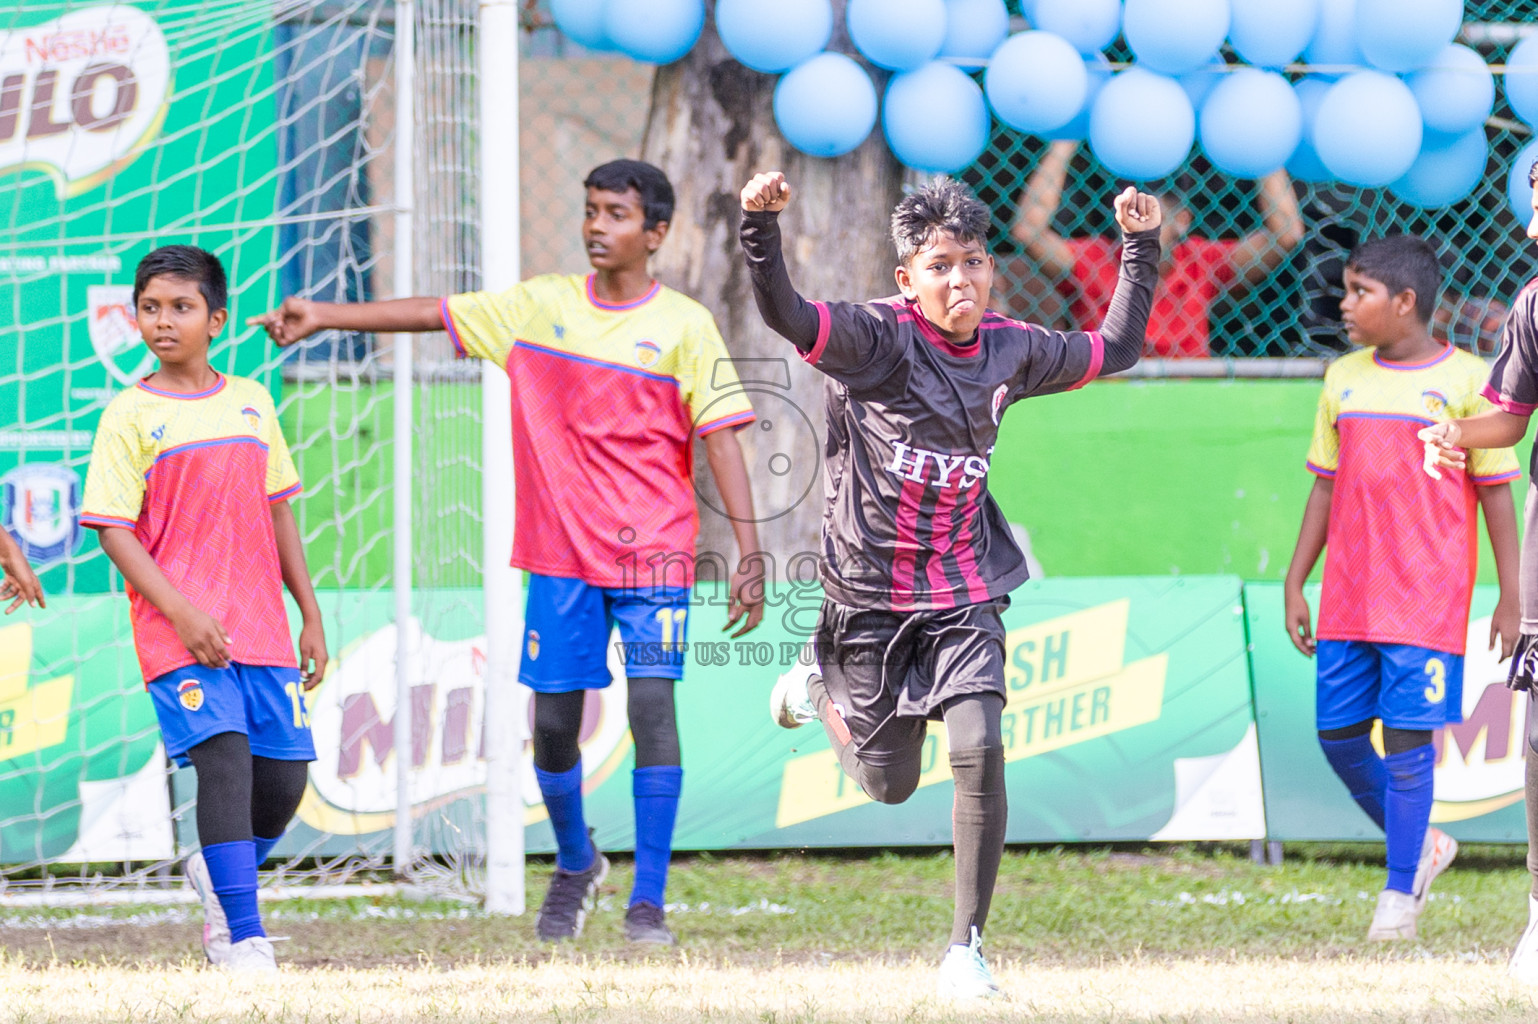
{"x":711,"y":128}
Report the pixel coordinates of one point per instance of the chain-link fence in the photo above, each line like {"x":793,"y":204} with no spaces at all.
{"x":1291,"y":310}
{"x":592,"y":107}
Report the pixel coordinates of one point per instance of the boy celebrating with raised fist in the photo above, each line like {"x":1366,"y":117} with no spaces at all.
{"x":918,"y":561}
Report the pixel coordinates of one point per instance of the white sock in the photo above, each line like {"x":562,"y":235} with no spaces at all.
{"x":1532,"y":909}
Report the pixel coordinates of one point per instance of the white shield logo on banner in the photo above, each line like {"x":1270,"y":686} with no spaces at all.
{"x":40,"y":505}
{"x":115,"y":332}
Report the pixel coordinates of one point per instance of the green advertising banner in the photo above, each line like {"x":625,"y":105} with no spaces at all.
{"x":122,"y":127}
{"x":1128,"y":718}
{"x":1480,"y":761}
{"x":82,"y":775}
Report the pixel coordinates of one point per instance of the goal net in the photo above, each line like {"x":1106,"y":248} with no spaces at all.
{"x":265,"y":133}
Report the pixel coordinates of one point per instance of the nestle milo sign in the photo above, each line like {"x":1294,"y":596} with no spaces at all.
{"x":116,"y":125}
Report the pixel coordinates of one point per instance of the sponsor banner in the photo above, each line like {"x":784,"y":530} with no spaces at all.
{"x":1128,"y":717}
{"x":82,"y":772}
{"x":1479,"y":762}
{"x":117,"y":126}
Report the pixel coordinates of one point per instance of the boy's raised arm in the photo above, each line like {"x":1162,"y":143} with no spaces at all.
{"x":786,"y":313}
{"x":297,"y":319}
{"x":1125,"y":325}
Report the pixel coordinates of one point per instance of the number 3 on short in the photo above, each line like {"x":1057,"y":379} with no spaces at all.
{"x":1437,"y":671}
{"x":672,"y":622}
{"x":300,"y":701}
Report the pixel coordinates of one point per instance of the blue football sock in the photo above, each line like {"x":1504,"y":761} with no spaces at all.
{"x":232,"y":870}
{"x":1407,"y":811}
{"x":264,"y":848}
{"x":1361,"y":769}
{"x":656,"y":792}
{"x":563,"y":800}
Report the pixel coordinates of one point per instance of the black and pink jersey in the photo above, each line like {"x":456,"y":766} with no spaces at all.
{"x":909,"y":523}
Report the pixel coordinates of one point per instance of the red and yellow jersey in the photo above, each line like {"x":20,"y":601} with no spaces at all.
{"x":192,"y":476}
{"x":1402,"y":549}
{"x":607,"y":400}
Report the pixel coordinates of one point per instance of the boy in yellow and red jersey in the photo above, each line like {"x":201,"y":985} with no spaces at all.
{"x":188,"y":487}
{"x":1403,"y":549}
{"x":613,"y":377}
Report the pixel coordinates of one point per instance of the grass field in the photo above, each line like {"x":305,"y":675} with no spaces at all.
{"x":1158,"y":934}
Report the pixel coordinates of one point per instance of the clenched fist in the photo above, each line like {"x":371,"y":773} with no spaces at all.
{"x":767,"y":191}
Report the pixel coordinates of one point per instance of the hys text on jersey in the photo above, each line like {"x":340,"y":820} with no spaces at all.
{"x":938,"y":469}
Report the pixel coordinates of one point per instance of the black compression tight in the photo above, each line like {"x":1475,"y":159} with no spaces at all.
{"x":1395,"y":741}
{"x":241,"y":795}
{"x":653,"y":724}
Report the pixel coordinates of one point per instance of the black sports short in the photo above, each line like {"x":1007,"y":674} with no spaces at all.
{"x":892,"y":672}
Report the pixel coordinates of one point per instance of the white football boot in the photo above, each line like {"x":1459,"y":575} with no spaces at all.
{"x":964,"y":974}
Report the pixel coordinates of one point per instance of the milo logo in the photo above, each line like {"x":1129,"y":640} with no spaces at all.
{"x":82,"y":94}
{"x":1481,"y":761}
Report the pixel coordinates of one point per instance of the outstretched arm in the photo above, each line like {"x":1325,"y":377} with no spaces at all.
{"x":724,"y":453}
{"x":18,"y":583}
{"x":297,"y":319}
{"x":296,"y":577}
{"x":1038,"y":204}
{"x":786,"y":312}
{"x":1281,"y":230}
{"x":1445,"y":442}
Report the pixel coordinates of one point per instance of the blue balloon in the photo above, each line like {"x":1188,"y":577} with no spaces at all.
{"x":897,"y":34}
{"x":1522,"y":79}
{"x":827,"y":106}
{"x":1251,"y":123}
{"x":1334,"y":43}
{"x":1304,"y":164}
{"x":1036,"y":82}
{"x":582,"y":21}
{"x":935,"y":118}
{"x":1141,"y":125}
{"x":1447,"y":170}
{"x":1402,"y":35}
{"x":1272,"y":33}
{"x":1199,"y":84}
{"x":797,"y":32}
{"x":1175,"y":36}
{"x":1518,"y":191}
{"x":973,"y":30}
{"x":656,"y":32}
{"x":1456,"y":92}
{"x":1098,"y":72}
{"x":1090,"y":25}
{"x":1368,"y":130}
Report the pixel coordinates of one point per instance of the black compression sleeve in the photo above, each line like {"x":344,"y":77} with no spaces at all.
{"x":1126,"y":323}
{"x":786,"y":313}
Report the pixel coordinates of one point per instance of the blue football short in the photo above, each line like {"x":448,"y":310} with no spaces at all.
{"x":1405,"y":687}
{"x":269,"y":705}
{"x":567,"y":625}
